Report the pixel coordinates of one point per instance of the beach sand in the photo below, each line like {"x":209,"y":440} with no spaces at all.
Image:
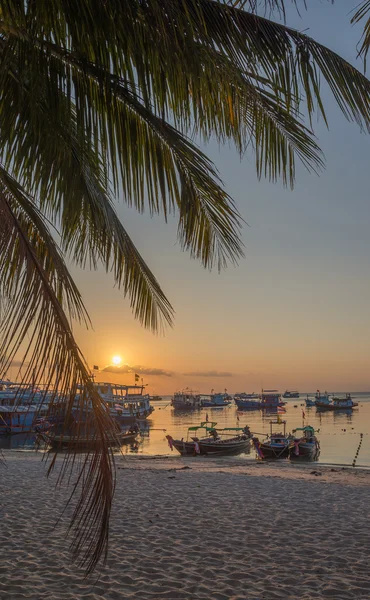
{"x":217,"y":530}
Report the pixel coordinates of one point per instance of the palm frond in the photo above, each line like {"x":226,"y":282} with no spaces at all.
{"x":361,"y":12}
{"x":39,"y":289}
{"x":71,"y":185}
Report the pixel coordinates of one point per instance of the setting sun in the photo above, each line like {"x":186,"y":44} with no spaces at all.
{"x":116,"y":360}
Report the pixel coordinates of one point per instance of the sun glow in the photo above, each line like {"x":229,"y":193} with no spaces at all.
{"x":116,"y":360}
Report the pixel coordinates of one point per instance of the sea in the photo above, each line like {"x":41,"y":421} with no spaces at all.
{"x":339,"y":432}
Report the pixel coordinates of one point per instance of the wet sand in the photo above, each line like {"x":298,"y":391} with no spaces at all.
{"x":194,"y":529}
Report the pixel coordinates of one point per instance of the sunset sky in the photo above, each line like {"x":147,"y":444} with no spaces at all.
{"x":295,"y":313}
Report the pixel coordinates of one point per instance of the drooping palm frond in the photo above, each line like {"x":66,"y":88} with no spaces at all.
{"x":361,"y":13}
{"x":39,"y":288}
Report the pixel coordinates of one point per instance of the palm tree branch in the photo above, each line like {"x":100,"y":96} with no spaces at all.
{"x":36,"y":311}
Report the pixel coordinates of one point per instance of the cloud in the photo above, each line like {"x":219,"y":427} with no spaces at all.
{"x":209,"y":374}
{"x":139,"y":369}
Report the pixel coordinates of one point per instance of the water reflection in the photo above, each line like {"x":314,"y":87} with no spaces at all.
{"x":338,"y":431}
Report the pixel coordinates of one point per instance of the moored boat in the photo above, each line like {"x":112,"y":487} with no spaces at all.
{"x":338,"y":403}
{"x":86,"y":442}
{"x":277,"y":444}
{"x":266,"y":400}
{"x":310,"y":401}
{"x":291,"y":394}
{"x":214,"y":400}
{"x":214,"y":442}
{"x":23,"y":419}
{"x":271,"y":399}
{"x":247,"y":401}
{"x":307,"y":445}
{"x":126,"y":403}
{"x":322,"y":400}
{"x":186,"y":400}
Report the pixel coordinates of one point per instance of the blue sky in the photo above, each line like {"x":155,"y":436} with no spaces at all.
{"x":295,"y":312}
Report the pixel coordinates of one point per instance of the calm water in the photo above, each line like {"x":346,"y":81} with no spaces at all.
{"x":338,"y":432}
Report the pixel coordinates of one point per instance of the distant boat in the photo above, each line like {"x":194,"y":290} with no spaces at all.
{"x":215,"y":400}
{"x":337,"y":403}
{"x":214,"y":441}
{"x":156,"y":398}
{"x":247,"y":401}
{"x":271,"y":399}
{"x":291,"y":394}
{"x":186,"y":400}
{"x":266,"y":400}
{"x":307,"y":445}
{"x":310,"y":402}
{"x":244,"y":396}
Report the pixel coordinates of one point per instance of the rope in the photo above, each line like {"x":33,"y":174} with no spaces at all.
{"x":358,"y":450}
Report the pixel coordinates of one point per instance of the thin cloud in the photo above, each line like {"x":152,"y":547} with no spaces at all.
{"x":139,"y":369}
{"x":209,"y":374}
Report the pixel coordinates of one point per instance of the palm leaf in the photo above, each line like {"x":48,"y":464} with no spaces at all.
{"x":38,"y":286}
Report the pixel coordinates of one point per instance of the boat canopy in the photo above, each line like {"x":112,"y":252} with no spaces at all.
{"x":307,"y":428}
{"x":203,"y":425}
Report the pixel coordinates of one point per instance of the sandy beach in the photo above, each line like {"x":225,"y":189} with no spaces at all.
{"x":194,"y":529}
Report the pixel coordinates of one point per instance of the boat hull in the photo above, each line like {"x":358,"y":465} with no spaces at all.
{"x":63,"y":442}
{"x":323,"y":406}
{"x":211,"y":447}
{"x":306,"y":450}
{"x":213,"y":405}
{"x":274,"y":451}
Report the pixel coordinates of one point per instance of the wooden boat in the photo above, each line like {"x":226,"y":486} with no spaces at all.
{"x":214,"y":442}
{"x":277,"y":445}
{"x":86,"y":442}
{"x":307,"y":445}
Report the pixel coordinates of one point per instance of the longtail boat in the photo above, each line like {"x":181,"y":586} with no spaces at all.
{"x":214,"y":441}
{"x":86,"y":442}
{"x":307,"y":445}
{"x":277,"y":445}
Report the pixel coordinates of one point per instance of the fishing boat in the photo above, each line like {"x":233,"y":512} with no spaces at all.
{"x":322,"y":399}
{"x":23,"y":419}
{"x":310,"y":401}
{"x":338,"y":403}
{"x":307,"y":445}
{"x":247,"y":401}
{"x":271,"y":399}
{"x":215,"y":442}
{"x":291,"y":394}
{"x":156,"y":398}
{"x":186,"y":400}
{"x":266,"y":400}
{"x":277,"y":444}
{"x":215,"y":400}
{"x":126,"y":403}
{"x":87,"y":442}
